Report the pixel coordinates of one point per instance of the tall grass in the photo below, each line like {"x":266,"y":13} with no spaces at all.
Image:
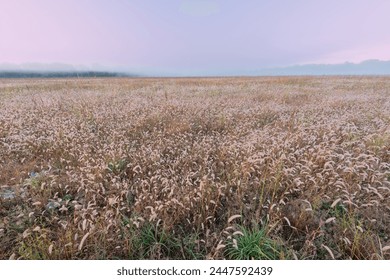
{"x":156,"y":168}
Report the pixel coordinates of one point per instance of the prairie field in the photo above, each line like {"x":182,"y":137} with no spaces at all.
{"x":195,"y":168}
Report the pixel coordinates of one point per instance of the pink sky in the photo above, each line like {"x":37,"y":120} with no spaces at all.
{"x":190,"y":36}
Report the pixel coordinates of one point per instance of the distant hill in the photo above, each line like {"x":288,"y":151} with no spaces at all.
{"x":368,"y":67}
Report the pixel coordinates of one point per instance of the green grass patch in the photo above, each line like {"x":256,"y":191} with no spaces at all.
{"x":253,"y":245}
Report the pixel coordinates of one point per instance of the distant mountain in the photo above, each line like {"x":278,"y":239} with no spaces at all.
{"x":368,"y":67}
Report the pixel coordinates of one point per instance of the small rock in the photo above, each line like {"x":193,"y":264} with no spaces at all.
{"x":52,"y":205}
{"x":7,"y":193}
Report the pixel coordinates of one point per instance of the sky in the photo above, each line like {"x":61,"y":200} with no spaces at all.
{"x":193,"y":36}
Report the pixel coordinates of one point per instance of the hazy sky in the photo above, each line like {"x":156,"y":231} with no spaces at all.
{"x":194,"y":36}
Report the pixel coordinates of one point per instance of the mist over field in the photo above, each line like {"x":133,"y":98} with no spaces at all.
{"x":34,"y":70}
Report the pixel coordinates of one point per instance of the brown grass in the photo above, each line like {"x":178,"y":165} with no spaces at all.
{"x":174,"y":168}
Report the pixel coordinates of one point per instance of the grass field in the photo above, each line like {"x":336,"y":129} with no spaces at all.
{"x":235,"y":168}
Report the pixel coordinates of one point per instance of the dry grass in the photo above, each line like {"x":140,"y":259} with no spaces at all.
{"x":160,"y":168}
